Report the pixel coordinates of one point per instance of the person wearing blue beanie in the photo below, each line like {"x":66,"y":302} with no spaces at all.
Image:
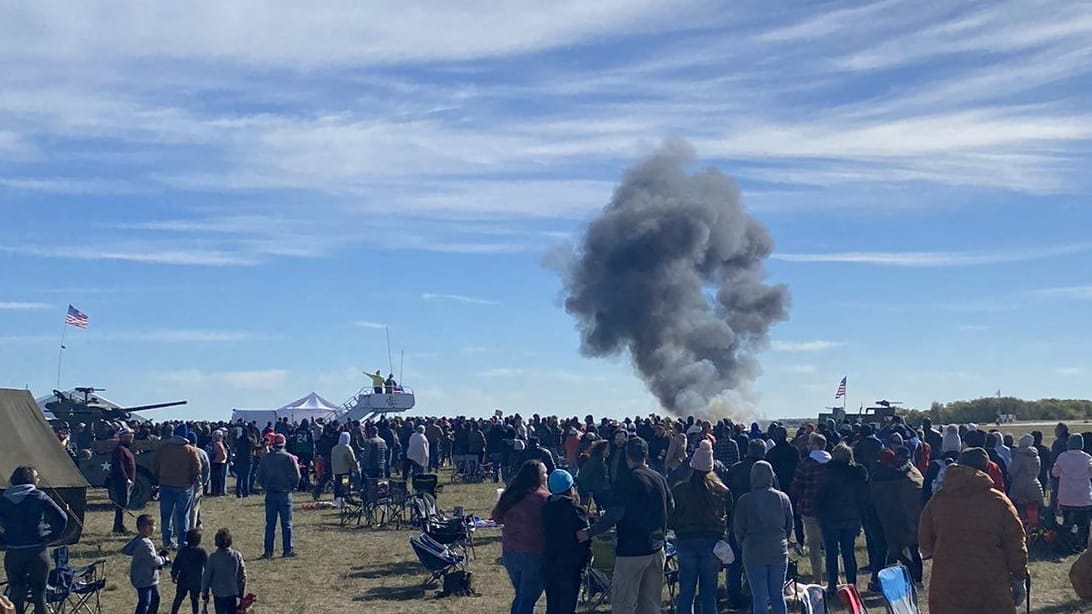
{"x":563,"y":557}
{"x":560,"y":482}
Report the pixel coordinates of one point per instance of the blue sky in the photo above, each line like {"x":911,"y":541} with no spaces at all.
{"x":242,"y":195}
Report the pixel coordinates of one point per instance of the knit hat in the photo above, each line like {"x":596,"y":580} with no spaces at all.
{"x":1075,"y":442}
{"x":560,"y":482}
{"x":1027,"y":441}
{"x":950,"y":442}
{"x":181,"y":430}
{"x":703,"y":457}
{"x":975,"y":457}
{"x":279,"y":441}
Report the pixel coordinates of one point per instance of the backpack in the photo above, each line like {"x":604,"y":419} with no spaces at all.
{"x":458,"y":583}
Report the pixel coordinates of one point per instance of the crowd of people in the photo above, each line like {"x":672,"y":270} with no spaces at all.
{"x":960,"y":495}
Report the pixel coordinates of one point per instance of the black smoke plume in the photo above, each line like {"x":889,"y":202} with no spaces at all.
{"x":672,"y":272}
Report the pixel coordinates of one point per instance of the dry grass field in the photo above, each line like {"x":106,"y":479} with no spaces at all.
{"x":374,"y":570}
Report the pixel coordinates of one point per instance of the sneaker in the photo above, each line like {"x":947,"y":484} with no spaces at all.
{"x":266,"y":555}
{"x":291,"y":554}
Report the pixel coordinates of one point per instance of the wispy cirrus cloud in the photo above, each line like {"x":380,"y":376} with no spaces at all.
{"x":937,"y":259}
{"x":539,"y":374}
{"x":805,"y":346}
{"x":264,"y":379}
{"x":23,"y":306}
{"x":430,"y":129}
{"x":369,"y":324}
{"x":458,"y":298}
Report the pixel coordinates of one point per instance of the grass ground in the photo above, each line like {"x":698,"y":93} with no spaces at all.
{"x":348,"y":569}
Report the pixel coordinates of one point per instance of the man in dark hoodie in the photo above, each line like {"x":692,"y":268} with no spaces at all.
{"x":563,"y":557}
{"x":30,"y":521}
{"x":896,"y":493}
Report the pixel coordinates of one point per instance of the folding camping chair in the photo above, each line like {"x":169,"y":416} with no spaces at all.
{"x":814,"y":600}
{"x":436,"y":558}
{"x":72,"y":589}
{"x":352,"y":505}
{"x":852,"y":599}
{"x":898,"y":590}
{"x":84,"y":583}
{"x":426,"y":483}
{"x":395,"y":506}
{"x":598,"y":575}
{"x":671,"y":575}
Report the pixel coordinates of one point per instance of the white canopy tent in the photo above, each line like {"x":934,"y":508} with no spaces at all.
{"x":308,"y":408}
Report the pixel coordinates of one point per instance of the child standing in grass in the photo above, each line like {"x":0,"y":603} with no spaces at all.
{"x":188,"y":570}
{"x":144,"y":569}
{"x":225,"y":575}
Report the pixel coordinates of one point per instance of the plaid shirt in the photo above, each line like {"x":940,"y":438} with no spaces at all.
{"x":806,"y":484}
{"x":726,"y":451}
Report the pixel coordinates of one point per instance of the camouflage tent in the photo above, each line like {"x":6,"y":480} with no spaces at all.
{"x":27,"y":439}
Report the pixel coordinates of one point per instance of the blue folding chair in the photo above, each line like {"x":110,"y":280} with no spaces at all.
{"x":898,"y":590}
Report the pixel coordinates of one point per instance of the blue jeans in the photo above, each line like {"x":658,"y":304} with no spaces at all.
{"x":698,"y":571}
{"x":841,"y":536}
{"x":174,"y":512}
{"x":148,"y":600}
{"x":525,"y":571}
{"x":278,"y":504}
{"x":767,"y":587}
{"x":242,"y":480}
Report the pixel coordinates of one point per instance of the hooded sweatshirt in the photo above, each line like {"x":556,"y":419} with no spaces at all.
{"x":342,"y":459}
{"x":1073,"y":468}
{"x":1024,"y":473}
{"x":31,"y":519}
{"x":417,"y":450}
{"x":951,"y":441}
{"x":762,"y":520}
{"x":146,"y":563}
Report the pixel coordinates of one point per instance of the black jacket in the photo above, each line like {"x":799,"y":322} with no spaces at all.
{"x":562,"y":555}
{"x":784,"y":458}
{"x":844,"y":494}
{"x":30,"y":518}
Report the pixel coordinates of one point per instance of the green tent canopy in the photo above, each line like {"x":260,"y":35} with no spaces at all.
{"x":27,"y":439}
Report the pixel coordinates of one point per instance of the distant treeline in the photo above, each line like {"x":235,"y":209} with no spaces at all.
{"x":987,"y":409}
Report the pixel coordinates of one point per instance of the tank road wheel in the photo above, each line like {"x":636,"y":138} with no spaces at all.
{"x":142,"y":490}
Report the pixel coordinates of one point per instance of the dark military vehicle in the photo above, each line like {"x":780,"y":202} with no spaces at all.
{"x":91,"y":444}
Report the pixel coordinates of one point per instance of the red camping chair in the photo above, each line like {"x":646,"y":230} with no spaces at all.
{"x":848,"y":594}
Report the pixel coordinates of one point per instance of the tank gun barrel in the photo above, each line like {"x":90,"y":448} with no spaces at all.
{"x":154,"y":406}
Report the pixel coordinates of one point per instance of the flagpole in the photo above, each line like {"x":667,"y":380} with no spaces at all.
{"x":60,"y":352}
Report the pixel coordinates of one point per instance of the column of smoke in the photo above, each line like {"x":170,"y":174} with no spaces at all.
{"x":672,"y":272}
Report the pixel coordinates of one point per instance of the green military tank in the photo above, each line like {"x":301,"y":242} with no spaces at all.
{"x":92,"y":446}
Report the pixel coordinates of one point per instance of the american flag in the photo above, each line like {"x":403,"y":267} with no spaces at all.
{"x":75,"y":318}
{"x":841,"y":389}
